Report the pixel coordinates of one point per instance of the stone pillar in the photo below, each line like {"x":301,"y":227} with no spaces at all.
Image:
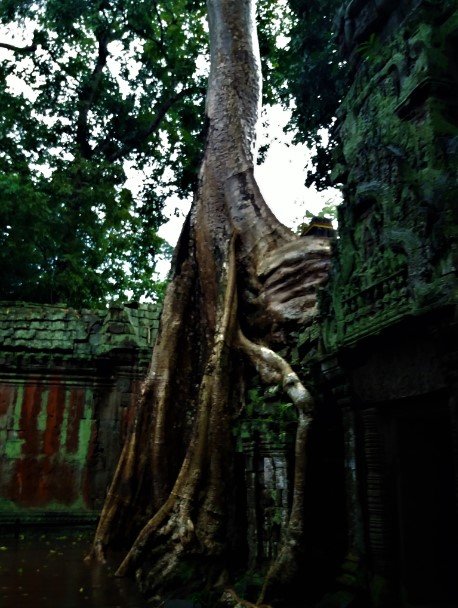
{"x":266,"y":479}
{"x":379,"y":516}
{"x":353,"y":486}
{"x":274,"y":497}
{"x":251,"y":476}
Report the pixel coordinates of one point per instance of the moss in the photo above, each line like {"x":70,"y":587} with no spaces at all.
{"x":266,"y":418}
{"x":380,"y":591}
{"x":10,"y":510}
{"x":40,"y":328}
{"x":13,"y":444}
{"x":391,"y":255}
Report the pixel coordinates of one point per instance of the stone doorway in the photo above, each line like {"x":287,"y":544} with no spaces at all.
{"x":425,"y":504}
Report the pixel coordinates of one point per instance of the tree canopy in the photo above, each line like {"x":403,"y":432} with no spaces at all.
{"x":94,"y":92}
{"x":317,"y":81}
{"x":89,"y":90}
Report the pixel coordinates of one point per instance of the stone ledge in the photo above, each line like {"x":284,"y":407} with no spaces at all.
{"x":17,"y":521}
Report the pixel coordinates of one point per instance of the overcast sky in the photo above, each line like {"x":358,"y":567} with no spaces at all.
{"x":281,"y":180}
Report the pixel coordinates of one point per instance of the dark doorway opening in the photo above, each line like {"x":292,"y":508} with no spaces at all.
{"x":426,"y":506}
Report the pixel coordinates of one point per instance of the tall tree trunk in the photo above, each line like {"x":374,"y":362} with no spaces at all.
{"x":238,"y":281}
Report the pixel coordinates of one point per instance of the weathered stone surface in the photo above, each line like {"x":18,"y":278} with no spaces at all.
{"x":69,"y":381}
{"x":389,"y":334}
{"x":397,"y":251}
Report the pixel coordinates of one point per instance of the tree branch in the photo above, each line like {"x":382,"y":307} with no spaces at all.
{"x":25,"y":50}
{"x":134,"y":140}
{"x":159,"y":20}
{"x":87,"y":95}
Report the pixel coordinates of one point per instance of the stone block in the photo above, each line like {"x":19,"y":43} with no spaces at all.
{"x":119,"y":328}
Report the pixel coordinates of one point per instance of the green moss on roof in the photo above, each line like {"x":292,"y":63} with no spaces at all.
{"x":44,"y":328}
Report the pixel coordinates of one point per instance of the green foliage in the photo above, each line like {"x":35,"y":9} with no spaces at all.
{"x":88,"y":91}
{"x":249,"y":585}
{"x":328,"y":211}
{"x":266,"y":418}
{"x":370,"y":49}
{"x":273,"y":20}
{"x":317,"y":81}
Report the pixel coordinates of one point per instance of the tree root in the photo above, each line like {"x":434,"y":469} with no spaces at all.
{"x":172,"y":531}
{"x":176,"y":463}
{"x":230,"y":599}
{"x":273,"y":369}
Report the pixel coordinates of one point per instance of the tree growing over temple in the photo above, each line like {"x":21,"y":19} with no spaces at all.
{"x":92,"y":90}
{"x":240,"y":282}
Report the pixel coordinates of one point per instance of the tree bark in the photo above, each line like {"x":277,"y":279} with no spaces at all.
{"x":239,"y":279}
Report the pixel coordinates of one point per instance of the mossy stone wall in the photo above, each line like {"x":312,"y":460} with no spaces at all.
{"x":397,"y":251}
{"x":69,"y":381}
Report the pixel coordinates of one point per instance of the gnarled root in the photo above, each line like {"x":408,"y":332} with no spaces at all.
{"x":273,"y":369}
{"x":182,"y":531}
{"x":230,"y":599}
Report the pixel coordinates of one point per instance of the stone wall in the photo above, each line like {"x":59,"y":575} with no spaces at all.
{"x":68,"y":384}
{"x":397,"y":252}
{"x":389,"y":330}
